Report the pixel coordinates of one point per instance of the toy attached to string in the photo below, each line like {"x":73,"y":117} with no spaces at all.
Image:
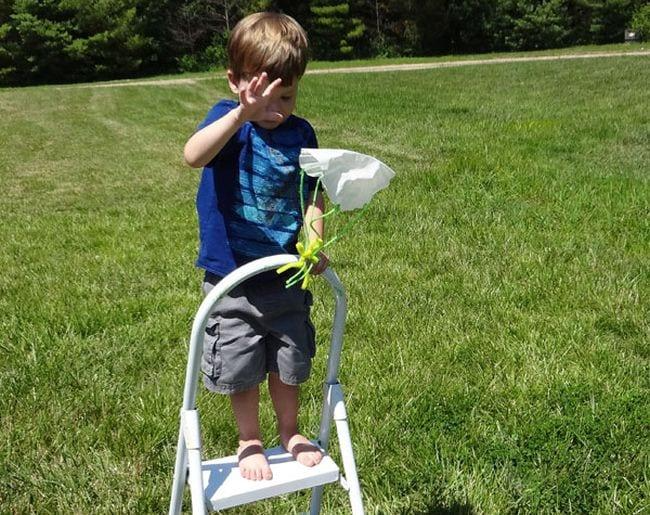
{"x":350,"y":180}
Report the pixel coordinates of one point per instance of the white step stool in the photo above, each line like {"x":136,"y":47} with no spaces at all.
{"x":225,"y":488}
{"x":216,"y":484}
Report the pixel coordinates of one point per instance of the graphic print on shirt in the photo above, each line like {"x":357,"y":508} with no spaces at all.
{"x":266,"y":209}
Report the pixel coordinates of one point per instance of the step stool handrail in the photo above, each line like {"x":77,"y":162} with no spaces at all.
{"x":231,"y":281}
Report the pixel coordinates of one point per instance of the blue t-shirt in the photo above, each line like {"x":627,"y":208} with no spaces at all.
{"x":248,"y":201}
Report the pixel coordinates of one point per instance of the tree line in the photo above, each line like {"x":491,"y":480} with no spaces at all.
{"x":46,"y":41}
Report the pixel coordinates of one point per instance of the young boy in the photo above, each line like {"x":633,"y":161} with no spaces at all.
{"x":248,"y":205}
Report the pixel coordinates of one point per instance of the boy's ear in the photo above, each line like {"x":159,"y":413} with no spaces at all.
{"x":232,"y":83}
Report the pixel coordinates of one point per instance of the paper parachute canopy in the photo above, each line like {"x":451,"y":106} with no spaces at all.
{"x":350,"y":179}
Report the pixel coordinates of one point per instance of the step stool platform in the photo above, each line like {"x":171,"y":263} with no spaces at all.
{"x":225,"y":488}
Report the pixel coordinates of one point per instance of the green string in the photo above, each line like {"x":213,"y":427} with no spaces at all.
{"x":307,"y":268}
{"x":346,"y":227}
{"x":299,"y":275}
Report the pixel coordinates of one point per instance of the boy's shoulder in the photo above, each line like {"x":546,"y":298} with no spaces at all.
{"x":297,"y":123}
{"x":304,"y":134}
{"x":295,"y":132}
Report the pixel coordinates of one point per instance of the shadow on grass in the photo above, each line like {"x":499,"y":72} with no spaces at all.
{"x":454,"y":509}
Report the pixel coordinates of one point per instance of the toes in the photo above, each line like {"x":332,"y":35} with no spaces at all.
{"x":308,"y":461}
{"x":306,"y":454}
{"x":252,"y":463}
{"x":254,"y":474}
{"x":306,"y":458}
{"x":312,"y":459}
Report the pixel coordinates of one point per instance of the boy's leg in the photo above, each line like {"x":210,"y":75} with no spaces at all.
{"x":285,"y":402}
{"x":252,"y":462}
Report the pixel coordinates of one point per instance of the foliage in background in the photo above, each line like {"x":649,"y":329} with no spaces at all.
{"x":194,"y":30}
{"x":334,"y":31}
{"x":641,"y":22}
{"x":72,"y":40}
{"x":529,"y":26}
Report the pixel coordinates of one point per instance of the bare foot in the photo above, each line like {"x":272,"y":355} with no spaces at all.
{"x":303,"y":450}
{"x":252,"y":462}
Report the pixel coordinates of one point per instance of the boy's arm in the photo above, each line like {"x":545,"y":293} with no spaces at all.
{"x":206,"y":143}
{"x":315,"y":227}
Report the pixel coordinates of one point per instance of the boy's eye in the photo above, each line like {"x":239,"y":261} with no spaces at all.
{"x":286,"y":98}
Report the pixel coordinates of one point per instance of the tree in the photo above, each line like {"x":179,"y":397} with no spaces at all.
{"x":70,"y":40}
{"x":469,"y":25}
{"x":195,"y":22}
{"x":201,"y":29}
{"x":34,"y":41}
{"x":334,"y":32}
{"x":297,"y":10}
{"x":107,"y":38}
{"x":641,"y":22}
{"x":531,"y":24}
{"x":610,"y":18}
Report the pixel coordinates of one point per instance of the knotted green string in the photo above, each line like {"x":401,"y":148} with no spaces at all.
{"x":308,"y":251}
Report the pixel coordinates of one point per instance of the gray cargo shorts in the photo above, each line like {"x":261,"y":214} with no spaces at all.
{"x":258,"y":328}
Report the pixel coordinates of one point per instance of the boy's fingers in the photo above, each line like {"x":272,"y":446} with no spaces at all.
{"x":272,"y":87}
{"x":261,"y":84}
{"x":243,"y":97}
{"x":252,"y":85}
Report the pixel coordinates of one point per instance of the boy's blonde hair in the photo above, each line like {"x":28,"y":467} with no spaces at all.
{"x":268,"y":42}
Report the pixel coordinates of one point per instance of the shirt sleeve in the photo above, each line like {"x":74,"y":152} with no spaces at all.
{"x":219,"y":110}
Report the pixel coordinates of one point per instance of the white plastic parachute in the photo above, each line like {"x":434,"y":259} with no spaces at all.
{"x":349,"y":178}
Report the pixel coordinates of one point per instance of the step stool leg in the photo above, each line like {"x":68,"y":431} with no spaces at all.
{"x":192,"y":437}
{"x":196,"y":483}
{"x":316,"y":500}
{"x":188,"y":458}
{"x":180,"y":474}
{"x":349,"y":466}
{"x":347,"y":454}
{"x":334,"y":408}
{"x":323,"y":441}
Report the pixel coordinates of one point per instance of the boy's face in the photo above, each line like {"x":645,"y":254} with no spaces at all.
{"x":283,"y":101}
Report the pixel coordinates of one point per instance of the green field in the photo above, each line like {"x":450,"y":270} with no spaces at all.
{"x":613,"y":48}
{"x":497,"y":349}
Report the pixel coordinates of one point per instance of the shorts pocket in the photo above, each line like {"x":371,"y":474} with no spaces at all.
{"x":309,"y":299}
{"x":311,"y":330}
{"x":211,"y":359}
{"x":311,"y":338}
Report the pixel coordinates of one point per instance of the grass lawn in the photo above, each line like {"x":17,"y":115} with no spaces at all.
{"x":610,"y":48}
{"x":496,"y":356}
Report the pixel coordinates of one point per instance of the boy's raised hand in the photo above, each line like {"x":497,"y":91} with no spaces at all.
{"x":255,"y":98}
